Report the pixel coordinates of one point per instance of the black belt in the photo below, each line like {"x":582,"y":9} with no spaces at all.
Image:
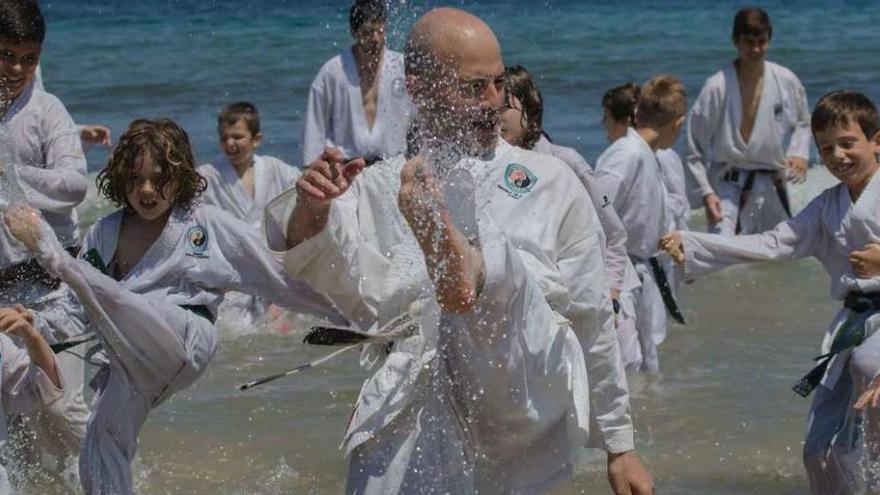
{"x":851,"y":334}
{"x":778,"y":186}
{"x":31,"y":271}
{"x":666,"y":290}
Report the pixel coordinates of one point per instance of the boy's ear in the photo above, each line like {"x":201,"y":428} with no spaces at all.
{"x":258,"y":139}
{"x":875,"y":142}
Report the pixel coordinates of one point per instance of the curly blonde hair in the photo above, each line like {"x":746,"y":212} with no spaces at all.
{"x":163,"y":141}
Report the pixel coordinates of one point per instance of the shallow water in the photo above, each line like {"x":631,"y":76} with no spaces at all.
{"x":720,"y":419}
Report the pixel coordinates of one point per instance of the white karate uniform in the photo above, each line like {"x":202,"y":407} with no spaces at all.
{"x":44,"y":165}
{"x":335,"y":110}
{"x":828,"y":229}
{"x":271,"y":177}
{"x":25,"y":388}
{"x":716,"y":145}
{"x":153,"y":323}
{"x":493,"y":401}
{"x":629,"y":176}
{"x":618,"y":267}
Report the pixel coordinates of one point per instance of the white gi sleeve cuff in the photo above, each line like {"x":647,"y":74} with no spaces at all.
{"x":619,"y":440}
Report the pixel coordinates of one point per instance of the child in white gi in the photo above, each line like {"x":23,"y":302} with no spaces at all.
{"x":42,"y":163}
{"x":843,"y":219}
{"x":241,"y":184}
{"x":151,"y":279}
{"x":29,"y":380}
{"x":629,"y":177}
{"x":748,"y":130}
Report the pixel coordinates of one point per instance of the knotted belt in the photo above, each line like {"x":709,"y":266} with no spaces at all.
{"x":778,"y":186}
{"x":852,"y":333}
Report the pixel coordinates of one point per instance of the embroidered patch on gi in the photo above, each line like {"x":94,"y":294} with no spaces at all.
{"x":518,"y":180}
{"x":777,"y":111}
{"x":197,"y":239}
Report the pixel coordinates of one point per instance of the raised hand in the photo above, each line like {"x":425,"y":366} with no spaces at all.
{"x":25,"y":224}
{"x":95,"y":134}
{"x":328,"y":177}
{"x":325,"y":179}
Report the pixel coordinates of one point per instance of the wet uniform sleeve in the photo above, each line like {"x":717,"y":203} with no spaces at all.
{"x":26,"y":387}
{"x":703,"y":122}
{"x":797,"y":237}
{"x":583,"y":274}
{"x":59,"y":184}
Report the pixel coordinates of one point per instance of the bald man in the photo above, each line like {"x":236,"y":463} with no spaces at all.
{"x":485,"y":260}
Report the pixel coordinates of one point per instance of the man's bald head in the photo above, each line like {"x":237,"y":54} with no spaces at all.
{"x":446,"y":38}
{"x":455,"y":76}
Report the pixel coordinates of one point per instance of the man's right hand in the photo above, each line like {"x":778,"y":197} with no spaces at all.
{"x":713,"y":207}
{"x":325,"y":179}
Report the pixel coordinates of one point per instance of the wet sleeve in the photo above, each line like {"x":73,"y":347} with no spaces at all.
{"x":59,"y":184}
{"x":583,"y":274}
{"x":702,"y":124}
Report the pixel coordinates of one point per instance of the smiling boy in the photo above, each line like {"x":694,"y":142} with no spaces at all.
{"x":841,"y":220}
{"x":242,"y":183}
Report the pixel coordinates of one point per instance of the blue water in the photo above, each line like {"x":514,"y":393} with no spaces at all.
{"x":111,"y":62}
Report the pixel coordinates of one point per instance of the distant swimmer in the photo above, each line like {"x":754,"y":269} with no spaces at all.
{"x":241,"y":183}
{"x":629,"y":176}
{"x":41,"y":162}
{"x":522,"y":125}
{"x":150,"y":278}
{"x":358,"y":101}
{"x":749,"y":134}
{"x":495,"y":254}
{"x":842,"y":426}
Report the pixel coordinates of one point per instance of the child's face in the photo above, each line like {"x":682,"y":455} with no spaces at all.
{"x":848,"y":154}
{"x":238,"y":144}
{"x":143,"y":194}
{"x":752,"y":48}
{"x":18,"y":64}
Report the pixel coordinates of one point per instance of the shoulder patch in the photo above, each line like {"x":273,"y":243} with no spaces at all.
{"x":518,"y":180}
{"x":197,"y":241}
